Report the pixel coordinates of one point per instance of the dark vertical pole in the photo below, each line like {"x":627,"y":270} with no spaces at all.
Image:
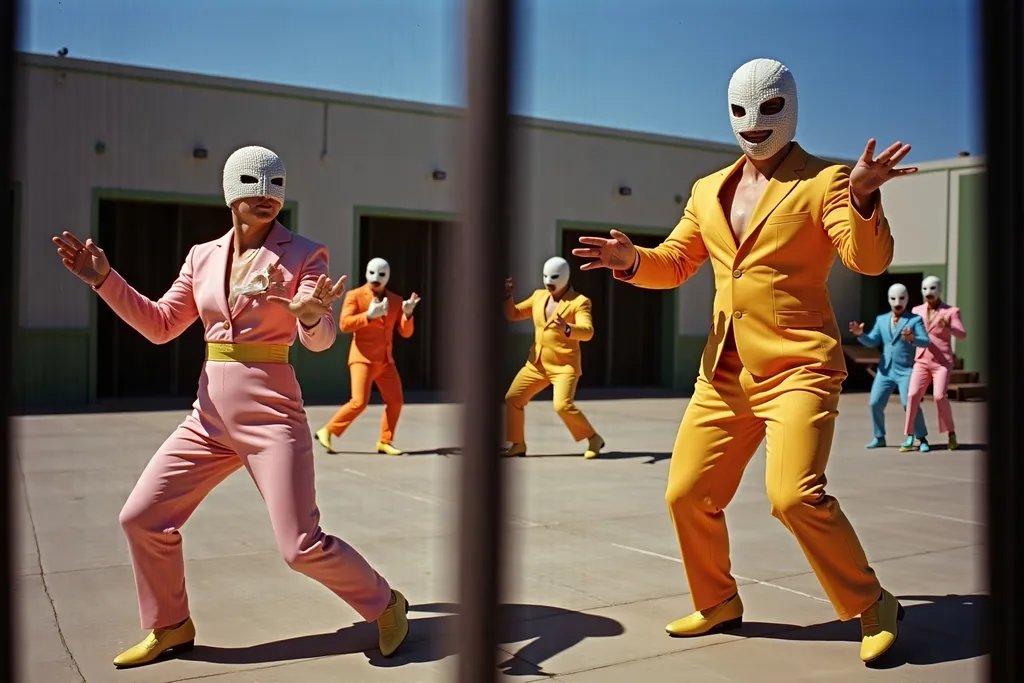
{"x":1003,"y":46}
{"x":482,"y":251}
{"x":8,"y":290}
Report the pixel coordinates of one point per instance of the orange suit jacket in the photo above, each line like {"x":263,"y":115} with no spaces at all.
{"x":551,"y":349}
{"x":771,"y":289}
{"x":372,"y":339}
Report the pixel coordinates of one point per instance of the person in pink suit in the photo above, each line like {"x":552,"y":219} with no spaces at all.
{"x":933,"y":363}
{"x":255,"y":290}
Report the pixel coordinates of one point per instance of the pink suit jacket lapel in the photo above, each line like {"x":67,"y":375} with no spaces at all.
{"x":268,"y":257}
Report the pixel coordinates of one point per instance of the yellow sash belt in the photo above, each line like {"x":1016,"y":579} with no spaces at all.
{"x":223,"y":352}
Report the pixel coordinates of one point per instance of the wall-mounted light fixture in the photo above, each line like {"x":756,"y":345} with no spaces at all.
{"x":625,"y":191}
{"x":199,"y":152}
{"x":100,"y":147}
{"x":439,"y":174}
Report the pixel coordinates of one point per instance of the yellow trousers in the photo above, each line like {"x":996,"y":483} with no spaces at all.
{"x":529,"y":382}
{"x":725,"y":422}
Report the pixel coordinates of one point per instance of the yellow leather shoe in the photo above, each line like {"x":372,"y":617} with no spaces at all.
{"x":879,"y":627}
{"x":159,"y":642}
{"x":726,"y":616}
{"x":324,"y":437}
{"x":594,"y":446}
{"x":387,"y":449}
{"x":515,"y":450}
{"x":393,"y":625}
{"x":953,"y":443}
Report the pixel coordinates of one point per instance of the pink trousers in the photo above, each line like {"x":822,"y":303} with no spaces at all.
{"x":245,"y":416}
{"x":927,"y":371}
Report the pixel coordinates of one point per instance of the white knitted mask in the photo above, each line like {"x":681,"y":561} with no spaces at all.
{"x":898,"y":297}
{"x":931,"y":286}
{"x":253,"y":172}
{"x":378,"y":270}
{"x":751,"y":85}
{"x":556,"y":273}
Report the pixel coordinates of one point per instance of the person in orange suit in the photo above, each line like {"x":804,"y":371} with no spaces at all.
{"x":561,"y":319}
{"x":771,"y":225}
{"x":372,"y":313}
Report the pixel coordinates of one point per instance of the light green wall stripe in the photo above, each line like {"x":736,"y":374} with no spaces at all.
{"x":970,"y":284}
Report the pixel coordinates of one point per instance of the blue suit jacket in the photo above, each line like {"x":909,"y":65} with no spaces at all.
{"x":897,"y":354}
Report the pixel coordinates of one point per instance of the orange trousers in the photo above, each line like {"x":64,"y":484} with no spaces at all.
{"x":529,"y":382}
{"x":725,"y":422}
{"x":363,"y":376}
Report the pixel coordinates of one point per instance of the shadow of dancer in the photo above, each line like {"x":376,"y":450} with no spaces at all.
{"x":549,"y":630}
{"x":936,"y":629}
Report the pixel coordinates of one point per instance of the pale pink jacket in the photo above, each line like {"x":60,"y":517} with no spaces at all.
{"x":940,"y":348}
{"x":200,"y":292}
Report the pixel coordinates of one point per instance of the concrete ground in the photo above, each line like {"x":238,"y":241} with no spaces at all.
{"x":593,"y":568}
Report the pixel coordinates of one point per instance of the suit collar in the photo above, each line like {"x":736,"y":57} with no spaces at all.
{"x":269,"y":256}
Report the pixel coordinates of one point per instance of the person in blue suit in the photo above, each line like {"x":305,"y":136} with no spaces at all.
{"x":899,"y":333}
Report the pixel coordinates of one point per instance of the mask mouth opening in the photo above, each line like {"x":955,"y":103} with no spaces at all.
{"x":756,"y":136}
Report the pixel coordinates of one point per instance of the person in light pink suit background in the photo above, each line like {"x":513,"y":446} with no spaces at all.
{"x":255,"y":290}
{"x":933,"y":363}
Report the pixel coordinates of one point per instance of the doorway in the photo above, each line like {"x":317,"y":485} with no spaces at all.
{"x":413,"y":248}
{"x":876,"y":300}
{"x":632,"y":326}
{"x":147,"y":241}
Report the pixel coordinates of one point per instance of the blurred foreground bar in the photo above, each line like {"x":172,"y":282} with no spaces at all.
{"x":477,"y":324}
{"x":1002,"y":43}
{"x":8,"y":293}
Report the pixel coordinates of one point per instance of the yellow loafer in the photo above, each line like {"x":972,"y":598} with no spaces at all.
{"x":393,"y":625}
{"x":160,"y":641}
{"x":387,"y":449}
{"x":879,"y":627}
{"x":726,"y":616}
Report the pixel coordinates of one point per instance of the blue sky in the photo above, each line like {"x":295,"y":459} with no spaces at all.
{"x":893,"y":69}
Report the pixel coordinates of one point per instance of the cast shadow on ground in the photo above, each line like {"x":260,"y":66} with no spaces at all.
{"x":938,"y":629}
{"x":548,"y":630}
{"x":651,"y":458}
{"x":444,"y":451}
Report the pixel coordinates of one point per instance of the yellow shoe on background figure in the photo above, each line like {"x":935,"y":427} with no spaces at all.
{"x":393,"y":624}
{"x":175,"y":639}
{"x":514,"y":450}
{"x":725,"y":616}
{"x":324,"y":437}
{"x":387,"y":449}
{"x":594,"y":446}
{"x":879,"y":627}
{"x":953,"y":443}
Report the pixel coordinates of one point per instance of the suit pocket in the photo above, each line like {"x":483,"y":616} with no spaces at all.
{"x":787,"y":218}
{"x":799,"y":319}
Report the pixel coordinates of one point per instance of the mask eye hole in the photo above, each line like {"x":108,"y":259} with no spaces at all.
{"x":772,"y":106}
{"x":248,"y":179}
{"x":738,"y":111}
{"x":277,"y":181}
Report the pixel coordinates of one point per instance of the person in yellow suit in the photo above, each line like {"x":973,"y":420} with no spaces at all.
{"x":771,"y":224}
{"x":561,"y":319}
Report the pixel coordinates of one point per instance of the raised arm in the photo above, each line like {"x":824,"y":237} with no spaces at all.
{"x":515,"y":312}
{"x":158,"y":321}
{"x":956,"y":326}
{"x":582,"y":327}
{"x":921,"y":339}
{"x":321,"y":335}
{"x":672,"y":262}
{"x":351,"y":317}
{"x":873,"y":338}
{"x":864,"y":243}
{"x":405,"y":325}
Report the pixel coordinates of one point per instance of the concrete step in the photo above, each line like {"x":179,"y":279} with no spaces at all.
{"x":968,"y":391}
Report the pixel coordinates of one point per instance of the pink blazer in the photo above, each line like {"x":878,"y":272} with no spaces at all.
{"x":940,"y":348}
{"x":200,"y":292}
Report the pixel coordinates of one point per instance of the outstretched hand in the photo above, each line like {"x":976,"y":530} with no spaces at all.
{"x":617,"y":253}
{"x":86,"y":261}
{"x":409,"y":305}
{"x":310,"y":307}
{"x":857,"y":329}
{"x":870,"y":173}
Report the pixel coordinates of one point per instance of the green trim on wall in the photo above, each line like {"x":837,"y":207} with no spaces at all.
{"x":669,"y":331}
{"x":970,"y":285}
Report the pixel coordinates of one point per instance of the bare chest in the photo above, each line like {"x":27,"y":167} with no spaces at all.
{"x":238,"y":273}
{"x":739,"y":199}
{"x":549,"y":308}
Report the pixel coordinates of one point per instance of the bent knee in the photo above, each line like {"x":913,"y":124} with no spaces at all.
{"x":564,"y":407}
{"x":686,"y":494}
{"x":299,"y":550}
{"x":357,"y":405}
{"x":136,"y":518}
{"x":787,"y":501}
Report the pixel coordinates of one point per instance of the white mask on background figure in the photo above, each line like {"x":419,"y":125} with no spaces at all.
{"x":761,"y":130}
{"x":253,"y":172}
{"x":898,"y":297}
{"x":556,"y":274}
{"x":931,"y":288}
{"x":378,"y":272}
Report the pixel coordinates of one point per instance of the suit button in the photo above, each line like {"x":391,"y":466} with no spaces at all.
{"x":227,"y":325}
{"x":737,"y":315}
{"x":737,"y":273}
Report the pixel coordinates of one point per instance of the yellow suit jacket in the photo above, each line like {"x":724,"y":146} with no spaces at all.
{"x":551,"y":349}
{"x":771,"y":289}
